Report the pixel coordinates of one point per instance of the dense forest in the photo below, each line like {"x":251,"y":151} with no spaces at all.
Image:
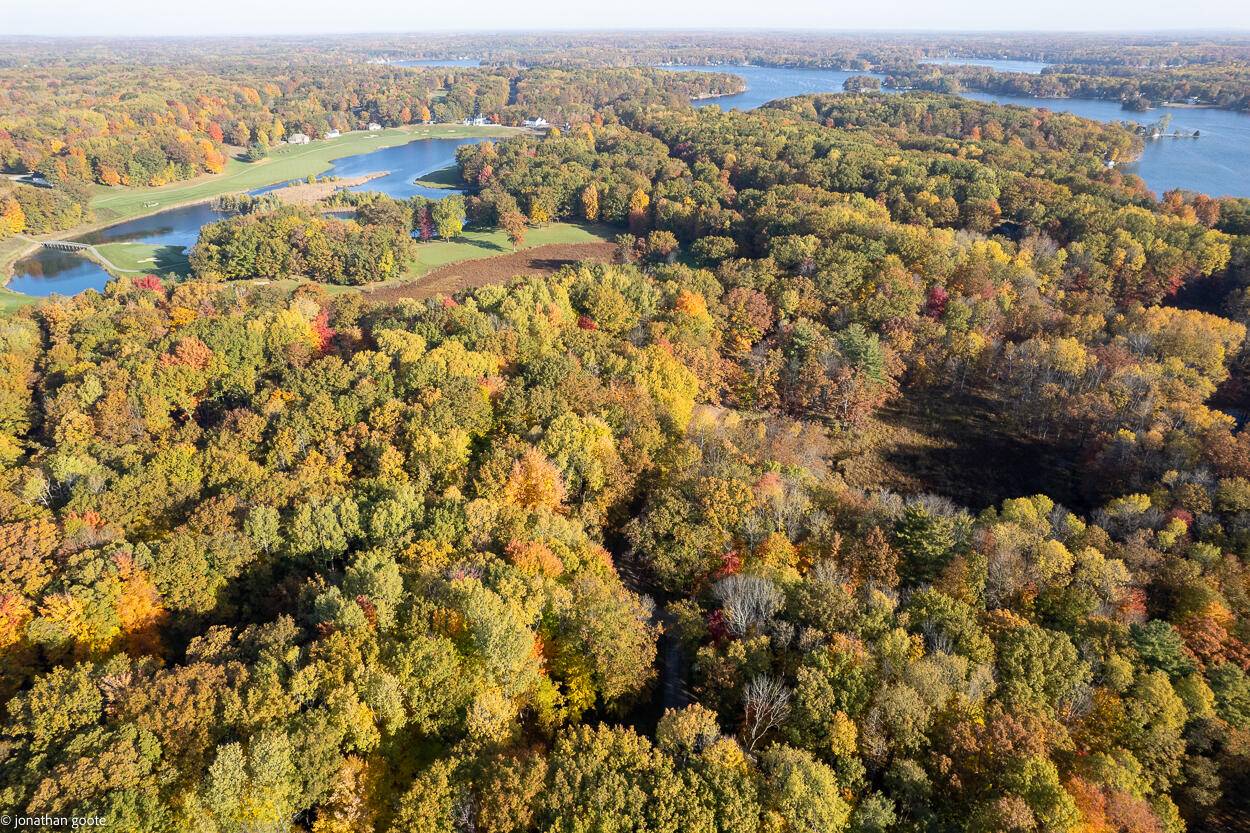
{"x":589,"y":551}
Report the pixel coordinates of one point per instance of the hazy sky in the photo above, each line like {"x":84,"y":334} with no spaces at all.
{"x":208,"y":17}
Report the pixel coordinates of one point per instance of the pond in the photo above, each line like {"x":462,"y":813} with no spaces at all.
{"x":49,"y":271}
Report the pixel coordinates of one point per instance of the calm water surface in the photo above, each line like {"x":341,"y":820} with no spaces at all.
{"x":765,"y":84}
{"x":1216,"y":163}
{"x":49,"y":271}
{"x":404,"y":162}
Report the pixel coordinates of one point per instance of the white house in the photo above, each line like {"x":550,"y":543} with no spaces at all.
{"x":477,"y":121}
{"x":297,"y":139}
{"x":374,"y":127}
{"x":538,"y":123}
{"x":333,"y":134}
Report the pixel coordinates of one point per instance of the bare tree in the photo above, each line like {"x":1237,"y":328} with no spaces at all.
{"x":766,"y":706}
{"x":464,"y":814}
{"x":747,"y":602}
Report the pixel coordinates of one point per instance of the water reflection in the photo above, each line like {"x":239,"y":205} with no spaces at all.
{"x":49,"y":271}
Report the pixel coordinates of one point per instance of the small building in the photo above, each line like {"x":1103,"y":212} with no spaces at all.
{"x":374,"y":127}
{"x":298,"y":139}
{"x":538,"y":123}
{"x":333,"y":134}
{"x":477,"y":121}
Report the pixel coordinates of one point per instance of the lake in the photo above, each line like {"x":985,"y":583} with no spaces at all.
{"x":765,"y":84}
{"x":1217,"y":163}
{"x":49,"y":271}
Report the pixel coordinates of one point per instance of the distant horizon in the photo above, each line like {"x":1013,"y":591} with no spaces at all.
{"x":240,"y":18}
{"x":609,"y":30}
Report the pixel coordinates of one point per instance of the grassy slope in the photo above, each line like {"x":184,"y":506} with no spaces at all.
{"x":146,"y":257}
{"x":10,"y":300}
{"x":474,"y":245}
{"x":448,"y":177}
{"x":287,"y":162}
{"x":10,"y":248}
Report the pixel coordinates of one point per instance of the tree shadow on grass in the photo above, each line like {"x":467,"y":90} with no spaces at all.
{"x":961,"y":445}
{"x":480,"y":244}
{"x":551,"y":264}
{"x":171,"y":260}
{"x":448,"y":177}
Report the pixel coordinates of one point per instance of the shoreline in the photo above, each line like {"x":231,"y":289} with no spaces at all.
{"x":35,"y":242}
{"x":307,"y":193}
{"x":1169,"y":104}
{"x":713,"y":96}
{"x":10,"y":260}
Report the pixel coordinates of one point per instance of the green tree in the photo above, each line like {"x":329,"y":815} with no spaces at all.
{"x":801,"y":793}
{"x":448,"y":217}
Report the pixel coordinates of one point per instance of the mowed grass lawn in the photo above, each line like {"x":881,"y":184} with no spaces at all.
{"x":476,"y":245}
{"x":284,"y":163}
{"x":448,"y":177}
{"x":146,"y":257}
{"x":10,"y":300}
